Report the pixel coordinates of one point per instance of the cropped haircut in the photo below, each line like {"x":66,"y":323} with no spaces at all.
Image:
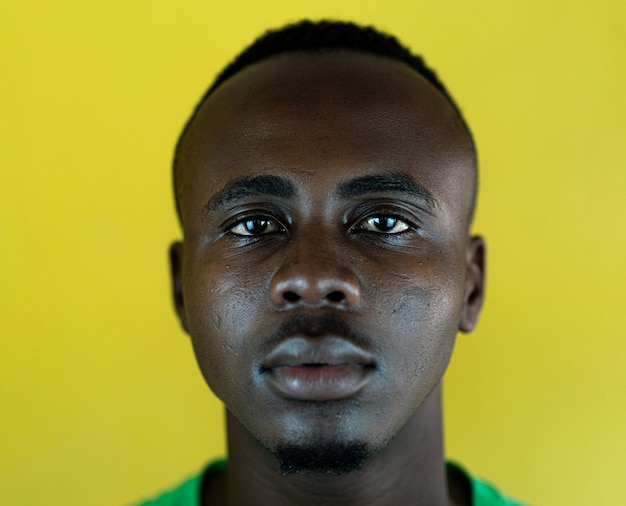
{"x":321,"y":37}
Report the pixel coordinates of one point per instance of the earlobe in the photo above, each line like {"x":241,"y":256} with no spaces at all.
{"x":176,"y":260}
{"x":474,"y":283}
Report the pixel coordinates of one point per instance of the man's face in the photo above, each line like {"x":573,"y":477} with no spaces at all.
{"x":326,"y":265}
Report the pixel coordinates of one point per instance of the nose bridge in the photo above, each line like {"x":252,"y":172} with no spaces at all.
{"x":315,"y":273}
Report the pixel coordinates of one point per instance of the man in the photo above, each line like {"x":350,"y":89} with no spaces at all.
{"x":326,"y":186}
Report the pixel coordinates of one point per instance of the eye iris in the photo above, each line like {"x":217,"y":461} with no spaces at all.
{"x":257,"y":226}
{"x":384,"y":223}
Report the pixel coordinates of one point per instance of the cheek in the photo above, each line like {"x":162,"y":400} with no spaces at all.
{"x":430,"y":292}
{"x":221,"y":309}
{"x":422,"y":315}
{"x":427,"y":321}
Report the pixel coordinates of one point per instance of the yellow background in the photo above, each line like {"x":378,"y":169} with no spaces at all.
{"x":101,"y":400}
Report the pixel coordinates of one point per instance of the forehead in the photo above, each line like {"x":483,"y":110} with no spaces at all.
{"x":307,"y":113}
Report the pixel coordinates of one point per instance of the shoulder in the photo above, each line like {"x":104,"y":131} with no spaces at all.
{"x":483,"y":493}
{"x":188,"y":492}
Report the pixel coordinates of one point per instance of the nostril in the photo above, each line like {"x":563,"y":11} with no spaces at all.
{"x":291,"y":297}
{"x":336,"y":297}
{"x":291,"y":290}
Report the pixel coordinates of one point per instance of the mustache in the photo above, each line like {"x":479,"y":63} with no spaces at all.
{"x":315,"y":326}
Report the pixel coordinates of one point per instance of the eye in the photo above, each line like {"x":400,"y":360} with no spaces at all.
{"x":255,"y":226}
{"x":383,"y":224}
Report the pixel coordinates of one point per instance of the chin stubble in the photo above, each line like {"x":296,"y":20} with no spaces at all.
{"x":330,"y":458}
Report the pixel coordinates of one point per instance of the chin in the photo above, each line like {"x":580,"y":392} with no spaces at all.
{"x":331,"y":457}
{"x":325,"y":438}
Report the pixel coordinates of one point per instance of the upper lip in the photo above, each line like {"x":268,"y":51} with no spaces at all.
{"x":319,"y":350}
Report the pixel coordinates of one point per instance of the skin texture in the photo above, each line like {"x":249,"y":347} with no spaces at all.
{"x":325,"y":202}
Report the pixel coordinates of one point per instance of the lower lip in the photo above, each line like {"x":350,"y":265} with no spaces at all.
{"x":318,"y":382}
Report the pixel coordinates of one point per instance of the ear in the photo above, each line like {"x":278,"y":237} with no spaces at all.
{"x":176,"y":267}
{"x":474,"y":283}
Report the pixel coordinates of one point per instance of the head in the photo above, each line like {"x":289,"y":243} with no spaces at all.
{"x":325,"y":37}
{"x":325,"y":185}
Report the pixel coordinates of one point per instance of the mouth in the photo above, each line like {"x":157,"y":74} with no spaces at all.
{"x":322,"y":368}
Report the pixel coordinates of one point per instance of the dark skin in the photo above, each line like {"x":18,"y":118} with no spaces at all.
{"x":325,"y":270}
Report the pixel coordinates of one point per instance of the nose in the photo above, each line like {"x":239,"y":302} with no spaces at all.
{"x":314,"y":278}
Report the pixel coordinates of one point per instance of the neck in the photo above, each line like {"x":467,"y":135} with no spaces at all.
{"x":409,"y":470}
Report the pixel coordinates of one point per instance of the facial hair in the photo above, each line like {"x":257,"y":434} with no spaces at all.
{"x":323,"y":458}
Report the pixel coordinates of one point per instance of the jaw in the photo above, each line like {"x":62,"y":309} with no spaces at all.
{"x":417,"y":446}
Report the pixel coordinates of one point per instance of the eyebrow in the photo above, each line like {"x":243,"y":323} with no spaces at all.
{"x":251,"y":186}
{"x":395,"y":182}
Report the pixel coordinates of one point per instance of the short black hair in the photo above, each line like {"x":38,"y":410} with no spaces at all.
{"x":321,"y":37}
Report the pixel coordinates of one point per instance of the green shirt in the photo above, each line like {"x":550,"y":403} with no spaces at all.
{"x":188,"y":493}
